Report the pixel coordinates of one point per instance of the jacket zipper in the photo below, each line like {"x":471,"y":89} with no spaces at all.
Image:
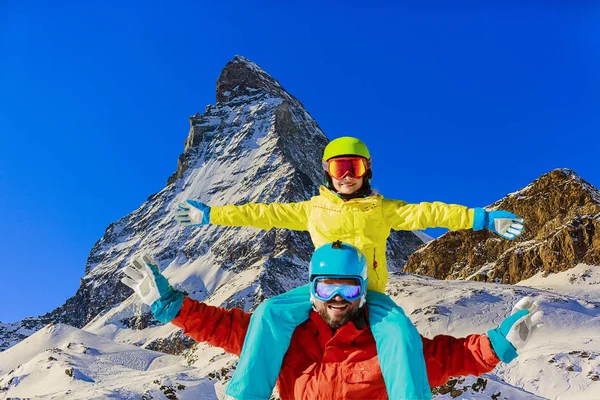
{"x":375,"y":264}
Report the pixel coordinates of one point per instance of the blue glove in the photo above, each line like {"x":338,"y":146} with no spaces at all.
{"x":503,"y":223}
{"x":192,"y":213}
{"x":144,"y":277}
{"x":515,"y":331}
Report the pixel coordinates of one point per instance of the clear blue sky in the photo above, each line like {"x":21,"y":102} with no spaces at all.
{"x":461,"y":103}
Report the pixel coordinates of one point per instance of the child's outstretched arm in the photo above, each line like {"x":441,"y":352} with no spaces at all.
{"x":292,"y":216}
{"x":412,"y":217}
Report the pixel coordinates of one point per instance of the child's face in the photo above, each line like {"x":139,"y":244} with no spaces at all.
{"x":348,"y":184}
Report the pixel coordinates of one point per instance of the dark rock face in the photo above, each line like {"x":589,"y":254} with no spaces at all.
{"x":13,"y":333}
{"x":177,"y":344}
{"x":242,"y":79}
{"x":562,"y":222}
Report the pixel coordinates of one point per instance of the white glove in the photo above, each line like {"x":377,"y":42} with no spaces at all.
{"x":522,"y":330}
{"x":192,"y":213}
{"x":516,"y":330}
{"x":503,"y":223}
{"x":141,"y":278}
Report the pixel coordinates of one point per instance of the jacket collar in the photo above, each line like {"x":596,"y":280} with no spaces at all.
{"x":333,"y":197}
{"x":330,"y":195}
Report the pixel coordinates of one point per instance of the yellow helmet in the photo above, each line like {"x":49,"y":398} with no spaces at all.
{"x":346,"y":146}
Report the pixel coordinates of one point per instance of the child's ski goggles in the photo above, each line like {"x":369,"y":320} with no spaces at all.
{"x":326,"y":288}
{"x":341,"y":166}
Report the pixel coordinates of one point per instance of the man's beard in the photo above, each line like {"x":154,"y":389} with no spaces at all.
{"x":337,"y":321}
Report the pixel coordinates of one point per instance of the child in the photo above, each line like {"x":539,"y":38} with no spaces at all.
{"x":346,"y":209}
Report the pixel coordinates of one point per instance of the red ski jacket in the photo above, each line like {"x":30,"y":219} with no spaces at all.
{"x":341,"y":365}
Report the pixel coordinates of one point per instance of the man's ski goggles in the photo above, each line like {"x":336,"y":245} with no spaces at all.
{"x":326,"y":288}
{"x":340,"y":167}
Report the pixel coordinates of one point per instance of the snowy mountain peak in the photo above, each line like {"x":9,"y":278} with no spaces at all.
{"x":242,"y":79}
{"x":259,"y":146}
{"x":238,"y":59}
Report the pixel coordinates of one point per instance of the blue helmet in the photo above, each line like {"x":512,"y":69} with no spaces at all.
{"x":339,"y":259}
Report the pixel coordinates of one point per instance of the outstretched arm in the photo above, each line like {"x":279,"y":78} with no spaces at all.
{"x":214,"y":325}
{"x":292,"y":216}
{"x":411,"y":217}
{"x":447,"y":356}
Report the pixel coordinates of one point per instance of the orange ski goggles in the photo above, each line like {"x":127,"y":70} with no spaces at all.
{"x":339,"y":167}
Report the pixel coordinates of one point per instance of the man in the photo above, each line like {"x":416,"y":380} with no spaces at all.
{"x":333,"y":355}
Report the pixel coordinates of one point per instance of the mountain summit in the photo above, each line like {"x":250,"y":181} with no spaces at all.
{"x":257,"y":144}
{"x":242,"y":79}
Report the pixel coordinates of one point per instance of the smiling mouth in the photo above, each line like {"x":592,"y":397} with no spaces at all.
{"x":337,"y":307}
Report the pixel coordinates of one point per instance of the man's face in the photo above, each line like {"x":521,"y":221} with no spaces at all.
{"x":337,"y":311}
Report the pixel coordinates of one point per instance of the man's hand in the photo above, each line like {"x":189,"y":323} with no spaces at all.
{"x":192,"y":213}
{"x":503,"y":223}
{"x":144,"y":277}
{"x":515,"y":331}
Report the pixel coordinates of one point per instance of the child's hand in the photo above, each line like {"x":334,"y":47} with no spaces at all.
{"x":503,"y":223}
{"x":192,"y":213}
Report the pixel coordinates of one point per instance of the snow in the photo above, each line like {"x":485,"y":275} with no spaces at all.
{"x":581,"y":281}
{"x":64,"y":362}
{"x":560,"y":363}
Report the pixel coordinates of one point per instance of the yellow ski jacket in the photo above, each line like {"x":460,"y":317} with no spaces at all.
{"x":363,"y":222}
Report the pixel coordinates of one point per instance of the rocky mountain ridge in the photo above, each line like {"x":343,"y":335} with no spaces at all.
{"x":562,"y":229}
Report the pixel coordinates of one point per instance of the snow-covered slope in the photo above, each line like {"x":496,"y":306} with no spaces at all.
{"x":582,"y":281}
{"x":562,"y":362}
{"x":62,"y":362}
